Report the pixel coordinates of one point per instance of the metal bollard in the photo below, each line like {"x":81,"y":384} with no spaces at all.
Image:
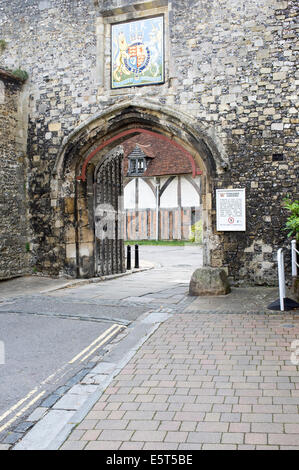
{"x":136,"y":256}
{"x":281,"y":278}
{"x":128,"y":257}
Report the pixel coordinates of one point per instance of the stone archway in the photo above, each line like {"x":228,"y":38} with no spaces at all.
{"x":85,"y":148}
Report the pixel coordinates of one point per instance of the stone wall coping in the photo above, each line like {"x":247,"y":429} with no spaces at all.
{"x":133,"y":8}
{"x":6,"y":75}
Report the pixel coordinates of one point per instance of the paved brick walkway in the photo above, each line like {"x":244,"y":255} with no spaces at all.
{"x":207,"y":381}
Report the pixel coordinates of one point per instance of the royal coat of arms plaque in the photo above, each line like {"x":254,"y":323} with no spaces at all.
{"x":137,"y":53}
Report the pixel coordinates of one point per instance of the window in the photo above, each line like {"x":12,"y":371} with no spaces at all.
{"x":137,"y":166}
{"x":132,"y":166}
{"x":140,"y":165}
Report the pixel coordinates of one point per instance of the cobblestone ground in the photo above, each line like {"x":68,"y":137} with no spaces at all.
{"x":206,"y":381}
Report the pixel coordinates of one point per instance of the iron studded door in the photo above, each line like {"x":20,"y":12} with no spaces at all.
{"x":108,"y":216}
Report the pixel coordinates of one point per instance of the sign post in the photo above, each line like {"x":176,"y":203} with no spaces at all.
{"x":231,"y":210}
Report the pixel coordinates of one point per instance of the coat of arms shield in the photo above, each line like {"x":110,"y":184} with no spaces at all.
{"x":137,"y":53}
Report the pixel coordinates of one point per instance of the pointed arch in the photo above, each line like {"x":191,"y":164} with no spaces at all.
{"x":91,"y":142}
{"x":120,"y":122}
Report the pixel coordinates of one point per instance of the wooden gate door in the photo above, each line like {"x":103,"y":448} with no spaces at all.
{"x":108,"y":216}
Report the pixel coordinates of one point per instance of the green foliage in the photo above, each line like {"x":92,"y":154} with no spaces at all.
{"x":292,"y":222}
{"x":157,"y":242}
{"x":2,"y":45}
{"x":20,"y":74}
{"x":27,"y":246}
{"x":196,"y":232}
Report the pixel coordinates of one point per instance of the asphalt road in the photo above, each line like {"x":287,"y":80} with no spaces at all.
{"x":40,"y":356}
{"x":49,"y":337}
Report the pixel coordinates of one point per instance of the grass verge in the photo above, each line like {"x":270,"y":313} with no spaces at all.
{"x":161,"y":242}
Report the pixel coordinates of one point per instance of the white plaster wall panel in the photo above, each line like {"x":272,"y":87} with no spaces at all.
{"x":169,"y":197}
{"x":189,"y":195}
{"x":129,"y":195}
{"x":147,"y":198}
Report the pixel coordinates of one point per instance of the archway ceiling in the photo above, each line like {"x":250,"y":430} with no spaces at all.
{"x":121,"y":122}
{"x":129,"y":133}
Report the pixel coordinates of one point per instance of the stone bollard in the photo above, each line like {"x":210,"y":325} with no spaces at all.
{"x":209,"y":281}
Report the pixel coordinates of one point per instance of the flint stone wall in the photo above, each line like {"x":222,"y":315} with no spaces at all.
{"x":13,"y":227}
{"x":229,"y":64}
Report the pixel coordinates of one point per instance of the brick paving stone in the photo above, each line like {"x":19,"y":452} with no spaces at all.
{"x":290,"y":408}
{"x":286,"y":418}
{"x":144,"y":398}
{"x":76,"y":435}
{"x":232,"y":438}
{"x":153,"y":407}
{"x":284,"y":439}
{"x":117,"y":424}
{"x":97,"y":415}
{"x":175,"y":406}
{"x":164,"y":415}
{"x":266,"y":427}
{"x":188,"y":426}
{"x":204,"y":437}
{"x":222,"y":408}
{"x":176,"y":436}
{"x":212,"y":427}
{"x":132,"y":446}
{"x":112,"y":406}
{"x":160,"y":446}
{"x":267,"y":408}
{"x":160,"y":399}
{"x":170,"y":426}
{"x":143,"y":415}
{"x":239,"y":427}
{"x":188,"y":416}
{"x":87,"y":424}
{"x":289,"y":447}
{"x":256,"y":438}
{"x":242,"y":409}
{"x":149,"y":436}
{"x":292,"y":428}
{"x":139,"y":425}
{"x":90,"y":435}
{"x":99,"y":406}
{"x":116,"y":415}
{"x":212,"y":417}
{"x":215,"y":381}
{"x":181,"y":399}
{"x":219,"y":447}
{"x":103,"y":445}
{"x":246,"y":447}
{"x":230,"y":417}
{"x":73,"y":445}
{"x":248,"y":400}
{"x":129,"y":406}
{"x":257,"y":417}
{"x":115,"y":435}
{"x":267,"y":447}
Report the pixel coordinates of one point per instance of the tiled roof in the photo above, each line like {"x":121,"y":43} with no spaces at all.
{"x":166,"y":159}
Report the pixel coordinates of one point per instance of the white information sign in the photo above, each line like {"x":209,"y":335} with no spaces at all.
{"x":230,"y":210}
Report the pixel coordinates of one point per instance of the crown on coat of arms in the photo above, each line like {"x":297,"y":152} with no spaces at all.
{"x":136,"y":34}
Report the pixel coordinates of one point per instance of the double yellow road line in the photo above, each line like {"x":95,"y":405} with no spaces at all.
{"x":97,"y":343}
{"x":36,"y":394}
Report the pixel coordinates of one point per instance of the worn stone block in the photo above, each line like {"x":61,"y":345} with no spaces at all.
{"x":209,"y":281}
